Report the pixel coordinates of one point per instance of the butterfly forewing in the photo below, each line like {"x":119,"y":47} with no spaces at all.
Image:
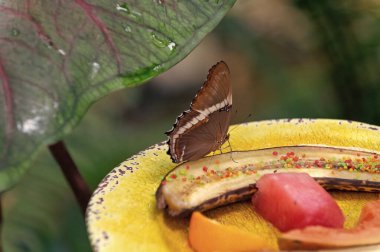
{"x":216,"y":89}
{"x":203,"y":128}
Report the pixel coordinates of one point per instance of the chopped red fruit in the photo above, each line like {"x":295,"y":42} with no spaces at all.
{"x":295,"y":200}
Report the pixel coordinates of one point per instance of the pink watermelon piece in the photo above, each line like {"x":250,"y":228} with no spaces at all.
{"x":295,"y":200}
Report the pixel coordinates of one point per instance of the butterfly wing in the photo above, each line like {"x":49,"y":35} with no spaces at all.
{"x":216,"y":90}
{"x":203,"y":137}
{"x":203,"y":128}
{"x":206,"y":137}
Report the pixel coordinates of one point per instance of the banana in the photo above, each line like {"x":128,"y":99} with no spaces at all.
{"x":226,"y":178}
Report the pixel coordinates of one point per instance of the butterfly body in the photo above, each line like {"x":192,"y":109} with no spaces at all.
{"x":203,"y":128}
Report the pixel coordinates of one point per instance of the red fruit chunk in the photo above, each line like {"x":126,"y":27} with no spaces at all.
{"x":367,"y":232}
{"x":295,"y":200}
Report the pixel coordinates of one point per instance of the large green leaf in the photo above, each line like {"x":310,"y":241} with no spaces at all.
{"x":58,"y":57}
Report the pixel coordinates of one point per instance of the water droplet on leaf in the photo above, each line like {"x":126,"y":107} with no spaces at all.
{"x":62,"y":52}
{"x":95,"y":69}
{"x":161,"y":41}
{"x":157,"y":68}
{"x":127,"y":28}
{"x":15,"y":32}
{"x":172,"y":46}
{"x":136,"y":15}
{"x":123,"y":7}
{"x":132,"y":13}
{"x":158,"y":41}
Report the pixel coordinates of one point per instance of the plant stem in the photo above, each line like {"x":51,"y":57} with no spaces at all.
{"x":71,"y":173}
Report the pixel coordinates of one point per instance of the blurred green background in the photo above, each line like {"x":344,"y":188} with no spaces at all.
{"x":304,"y":58}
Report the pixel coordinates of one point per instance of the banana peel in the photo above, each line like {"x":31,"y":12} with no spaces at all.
{"x":122,"y":213}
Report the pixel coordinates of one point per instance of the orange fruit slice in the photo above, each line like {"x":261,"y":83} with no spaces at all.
{"x":207,"y":235}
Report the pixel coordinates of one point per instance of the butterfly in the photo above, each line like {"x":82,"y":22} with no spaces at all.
{"x":203,"y":128}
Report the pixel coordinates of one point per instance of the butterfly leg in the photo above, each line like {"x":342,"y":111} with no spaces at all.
{"x":229,"y":145}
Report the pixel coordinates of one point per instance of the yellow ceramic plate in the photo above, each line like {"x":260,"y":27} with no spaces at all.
{"x":122,"y":214}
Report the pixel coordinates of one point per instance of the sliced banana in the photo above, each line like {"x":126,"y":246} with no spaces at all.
{"x":226,"y":178}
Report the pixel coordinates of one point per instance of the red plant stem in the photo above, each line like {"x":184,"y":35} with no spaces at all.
{"x":71,"y":173}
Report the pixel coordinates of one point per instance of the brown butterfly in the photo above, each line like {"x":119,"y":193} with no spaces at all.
{"x":203,"y":128}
